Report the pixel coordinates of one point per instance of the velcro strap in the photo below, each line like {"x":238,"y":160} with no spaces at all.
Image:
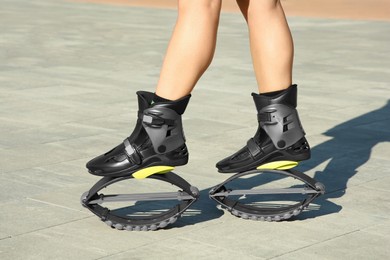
{"x":128,"y":147}
{"x":155,"y":121}
{"x":264,"y":117}
{"x":253,"y":147}
{"x":131,"y":153}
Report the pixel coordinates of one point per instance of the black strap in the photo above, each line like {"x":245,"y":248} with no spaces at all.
{"x":156,"y":121}
{"x":131,"y":152}
{"x":253,"y":147}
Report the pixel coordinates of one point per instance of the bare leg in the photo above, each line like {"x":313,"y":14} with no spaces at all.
{"x":271,"y":43}
{"x":191,"y":48}
{"x":158,"y":138}
{"x":280,"y":136}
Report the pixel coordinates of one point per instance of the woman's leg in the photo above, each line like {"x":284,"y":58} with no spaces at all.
{"x":271,"y":43}
{"x":191,"y":48}
{"x":158,"y":138}
{"x":280,"y":136}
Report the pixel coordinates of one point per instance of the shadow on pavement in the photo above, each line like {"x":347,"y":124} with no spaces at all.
{"x":349,"y":148}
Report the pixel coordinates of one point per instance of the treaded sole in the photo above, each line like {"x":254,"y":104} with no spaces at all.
{"x":273,"y":218}
{"x":220,"y":193}
{"x":92,"y":200}
{"x":151,"y":227}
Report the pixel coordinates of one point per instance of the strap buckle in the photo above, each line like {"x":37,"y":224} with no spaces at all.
{"x":266,"y":117}
{"x":153,"y":120}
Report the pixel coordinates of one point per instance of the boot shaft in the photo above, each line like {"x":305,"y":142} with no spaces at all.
{"x":278,"y":117}
{"x":160,"y":123}
{"x":288,"y":97}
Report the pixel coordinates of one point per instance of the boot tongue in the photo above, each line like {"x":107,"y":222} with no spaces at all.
{"x":261,"y":101}
{"x":144,"y":100}
{"x":288,"y":97}
{"x":179,"y":105}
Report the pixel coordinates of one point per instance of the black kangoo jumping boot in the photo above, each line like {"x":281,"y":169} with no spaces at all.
{"x":157,"y":139}
{"x":279,"y":136}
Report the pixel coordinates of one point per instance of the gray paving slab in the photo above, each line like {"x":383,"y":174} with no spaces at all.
{"x":68,"y":78}
{"x":349,"y":246}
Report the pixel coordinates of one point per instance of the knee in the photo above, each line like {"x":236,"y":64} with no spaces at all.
{"x":200,"y":6}
{"x":267,"y":3}
{"x":263,"y":9}
{"x":263,"y":6}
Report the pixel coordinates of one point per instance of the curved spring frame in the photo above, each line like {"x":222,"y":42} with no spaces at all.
{"x":93,"y":200}
{"x":312,"y":189}
{"x":188,"y":194}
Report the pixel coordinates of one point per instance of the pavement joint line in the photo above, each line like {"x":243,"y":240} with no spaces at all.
{"x":4,"y":238}
{"x":48,"y":227}
{"x":54,"y":205}
{"x":43,"y":165}
{"x":317,"y":243}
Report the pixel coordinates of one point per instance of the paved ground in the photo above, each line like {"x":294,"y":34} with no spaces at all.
{"x":344,"y":9}
{"x":68,"y":77}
